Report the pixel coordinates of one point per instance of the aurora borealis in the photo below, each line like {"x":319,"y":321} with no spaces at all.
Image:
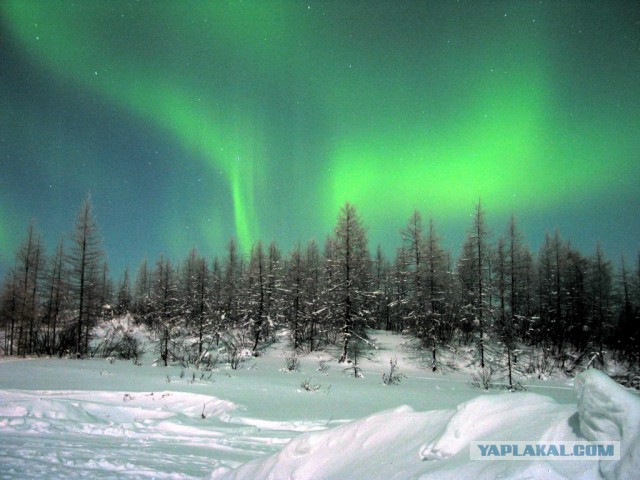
{"x":194,"y":122}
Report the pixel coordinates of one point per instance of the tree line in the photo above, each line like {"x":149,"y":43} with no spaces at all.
{"x":497,"y":292}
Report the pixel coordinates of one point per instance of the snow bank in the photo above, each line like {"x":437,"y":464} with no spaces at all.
{"x":483,"y":418}
{"x":391,"y":445}
{"x":366,"y":448}
{"x":607,"y":411}
{"x":405,"y":444}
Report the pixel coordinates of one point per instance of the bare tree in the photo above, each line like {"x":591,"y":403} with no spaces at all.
{"x":85,"y":259}
{"x":474,"y":268}
{"x":9,"y":308}
{"x":350,"y":279}
{"x":435,"y":261}
{"x":412,"y":236}
{"x":30,"y":259}
{"x":164,"y":311}
{"x":56,"y":303}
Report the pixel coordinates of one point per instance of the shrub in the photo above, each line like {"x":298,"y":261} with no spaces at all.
{"x":393,"y":376}
{"x":309,"y":387}
{"x":323,"y":367}
{"x":291,"y":362}
{"x":483,"y":379}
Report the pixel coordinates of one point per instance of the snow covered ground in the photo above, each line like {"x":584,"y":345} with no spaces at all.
{"x":63,"y":418}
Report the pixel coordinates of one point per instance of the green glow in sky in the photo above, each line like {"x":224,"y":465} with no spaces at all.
{"x":224,"y":136}
{"x":289,"y":109}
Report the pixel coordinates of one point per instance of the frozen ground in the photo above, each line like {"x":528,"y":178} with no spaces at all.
{"x":95,"y":419}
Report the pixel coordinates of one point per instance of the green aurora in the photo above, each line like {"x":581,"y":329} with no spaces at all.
{"x":285,"y":110}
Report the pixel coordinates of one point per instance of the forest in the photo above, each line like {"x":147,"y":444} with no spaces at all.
{"x":571,"y":309}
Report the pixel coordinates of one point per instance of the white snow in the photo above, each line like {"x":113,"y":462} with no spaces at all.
{"x":608,"y":412}
{"x":388,"y":445}
{"x":96,"y":419}
{"x":483,"y":418}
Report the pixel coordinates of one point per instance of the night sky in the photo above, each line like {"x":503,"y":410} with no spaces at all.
{"x":194,"y":122}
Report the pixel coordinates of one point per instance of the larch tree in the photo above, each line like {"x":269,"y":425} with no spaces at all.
{"x":381,"y":287}
{"x":30,"y":259}
{"x":9,"y":307}
{"x":231,"y":281}
{"x":475,"y":265}
{"x":142,"y":290}
{"x":628,"y":321}
{"x":573,"y":301}
{"x":543,"y":326}
{"x":274,"y":293}
{"x":296,"y":296}
{"x":519,"y":278}
{"x":55,"y":305}
{"x":85,"y":260}
{"x":516,"y":275}
{"x":256,"y":296}
{"x":412,"y":236}
{"x":194,"y":295}
{"x":350,"y":275}
{"x":203,"y":307}
{"x":314,"y":294}
{"x":124,"y":299}
{"x":504,"y":321}
{"x":435,"y":279}
{"x":187,"y":280}
{"x":330,"y":325}
{"x":164,"y":310}
{"x":400,"y":288}
{"x":215,"y":298}
{"x":600,"y":289}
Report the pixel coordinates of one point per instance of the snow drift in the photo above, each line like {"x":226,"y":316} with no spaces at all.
{"x":609,"y":412}
{"x":402,"y":444}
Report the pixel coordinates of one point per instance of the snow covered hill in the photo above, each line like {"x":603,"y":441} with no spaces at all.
{"x":92,"y":418}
